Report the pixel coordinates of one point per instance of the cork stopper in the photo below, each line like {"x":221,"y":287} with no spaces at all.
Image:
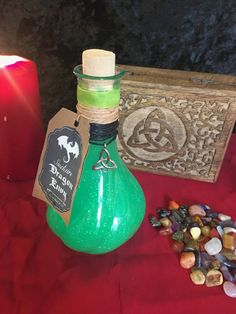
{"x":98,"y":62}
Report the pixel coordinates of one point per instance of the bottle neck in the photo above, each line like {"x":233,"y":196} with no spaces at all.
{"x":106,"y":142}
{"x":98,"y":93}
{"x":101,"y":134}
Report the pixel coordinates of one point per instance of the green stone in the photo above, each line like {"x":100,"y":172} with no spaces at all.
{"x":178,"y":235}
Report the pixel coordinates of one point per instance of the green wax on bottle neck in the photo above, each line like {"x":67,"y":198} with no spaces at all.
{"x":99,"y":98}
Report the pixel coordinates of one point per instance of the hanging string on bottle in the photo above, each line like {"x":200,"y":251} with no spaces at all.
{"x":97,"y":115}
{"x":103,"y":131}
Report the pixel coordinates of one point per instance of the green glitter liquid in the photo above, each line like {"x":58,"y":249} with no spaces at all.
{"x":108,"y":207}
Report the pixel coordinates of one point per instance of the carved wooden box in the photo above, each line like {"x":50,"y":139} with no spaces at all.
{"x":175,"y":122}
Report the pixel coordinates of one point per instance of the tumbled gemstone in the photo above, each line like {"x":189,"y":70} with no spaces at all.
{"x":213,"y":246}
{"x":214,"y":278}
{"x":198,"y":220}
{"x":206,"y":231}
{"x":196,"y":210}
{"x":229,"y":229}
{"x":177,"y":246}
{"x":215,"y":264}
{"x":198,"y":262}
{"x":187,"y":237}
{"x":212,"y":214}
{"x":220,"y":230}
{"x":195,"y":232}
{"x":206,"y":207}
{"x":197,"y":277}
{"x":227,"y":223}
{"x":229,"y":289}
{"x":228,"y":241}
{"x":165,"y":222}
{"x":154,"y":221}
{"x":166,"y":231}
{"x":175,"y":217}
{"x":187,"y":259}
{"x":178,"y":235}
{"x":206,"y":220}
{"x":202,"y":241}
{"x":223,"y":217}
{"x":183,"y":210}
{"x":206,"y":260}
{"x":162,"y":212}
{"x":214,"y":223}
{"x":175,"y":226}
{"x":214,"y":233}
{"x":192,"y":224}
{"x":228,"y":254}
{"x":226,"y":273}
{"x":224,"y":260}
{"x":173,"y":205}
{"x":191,"y":245}
{"x":233,"y":272}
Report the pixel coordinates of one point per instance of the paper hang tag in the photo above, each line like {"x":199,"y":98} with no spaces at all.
{"x":61,"y":161}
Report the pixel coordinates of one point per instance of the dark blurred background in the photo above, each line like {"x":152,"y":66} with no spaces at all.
{"x":196,"y":35}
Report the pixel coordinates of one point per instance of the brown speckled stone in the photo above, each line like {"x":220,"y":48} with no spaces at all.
{"x":214,"y":278}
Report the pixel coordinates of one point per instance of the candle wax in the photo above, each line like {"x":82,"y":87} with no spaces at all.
{"x":21,"y":128}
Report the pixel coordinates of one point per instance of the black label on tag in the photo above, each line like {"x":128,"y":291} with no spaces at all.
{"x":60,"y":167}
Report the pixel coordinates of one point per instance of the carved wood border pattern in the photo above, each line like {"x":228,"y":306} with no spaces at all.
{"x":169,"y":133}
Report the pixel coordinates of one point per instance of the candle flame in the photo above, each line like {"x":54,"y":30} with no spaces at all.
{"x":8,"y":60}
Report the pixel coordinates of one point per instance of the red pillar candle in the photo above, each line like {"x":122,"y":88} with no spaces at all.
{"x":21,"y":128}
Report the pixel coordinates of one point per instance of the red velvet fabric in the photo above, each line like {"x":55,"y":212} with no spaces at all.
{"x":38,"y":274}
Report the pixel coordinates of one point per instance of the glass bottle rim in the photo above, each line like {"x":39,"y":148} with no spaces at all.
{"x":78,"y":71}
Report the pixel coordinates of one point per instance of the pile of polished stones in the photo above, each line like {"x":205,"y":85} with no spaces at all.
{"x":205,"y":240}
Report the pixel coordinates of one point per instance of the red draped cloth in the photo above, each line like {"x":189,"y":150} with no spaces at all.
{"x":38,"y":274}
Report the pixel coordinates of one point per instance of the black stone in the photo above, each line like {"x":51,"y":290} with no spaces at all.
{"x":154,"y":221}
{"x":162,"y":212}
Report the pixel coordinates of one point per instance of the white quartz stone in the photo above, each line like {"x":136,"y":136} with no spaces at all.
{"x":223,"y":217}
{"x":213,"y":246}
{"x":229,"y":229}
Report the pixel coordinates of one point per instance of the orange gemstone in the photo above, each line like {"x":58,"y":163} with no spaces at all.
{"x":187,"y":259}
{"x":229,"y":241}
{"x":173,"y":205}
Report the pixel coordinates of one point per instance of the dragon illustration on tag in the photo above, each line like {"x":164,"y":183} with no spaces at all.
{"x":70,"y":147}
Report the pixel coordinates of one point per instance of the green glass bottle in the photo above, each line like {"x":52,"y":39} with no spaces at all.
{"x":109,"y":204}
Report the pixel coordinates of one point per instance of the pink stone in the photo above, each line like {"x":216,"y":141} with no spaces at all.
{"x":196,"y":210}
{"x":229,"y":289}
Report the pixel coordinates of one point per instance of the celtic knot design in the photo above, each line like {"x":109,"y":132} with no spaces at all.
{"x":154,"y":134}
{"x":105,"y":162}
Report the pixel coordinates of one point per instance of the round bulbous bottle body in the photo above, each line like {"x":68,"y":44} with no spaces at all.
{"x":108,"y":207}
